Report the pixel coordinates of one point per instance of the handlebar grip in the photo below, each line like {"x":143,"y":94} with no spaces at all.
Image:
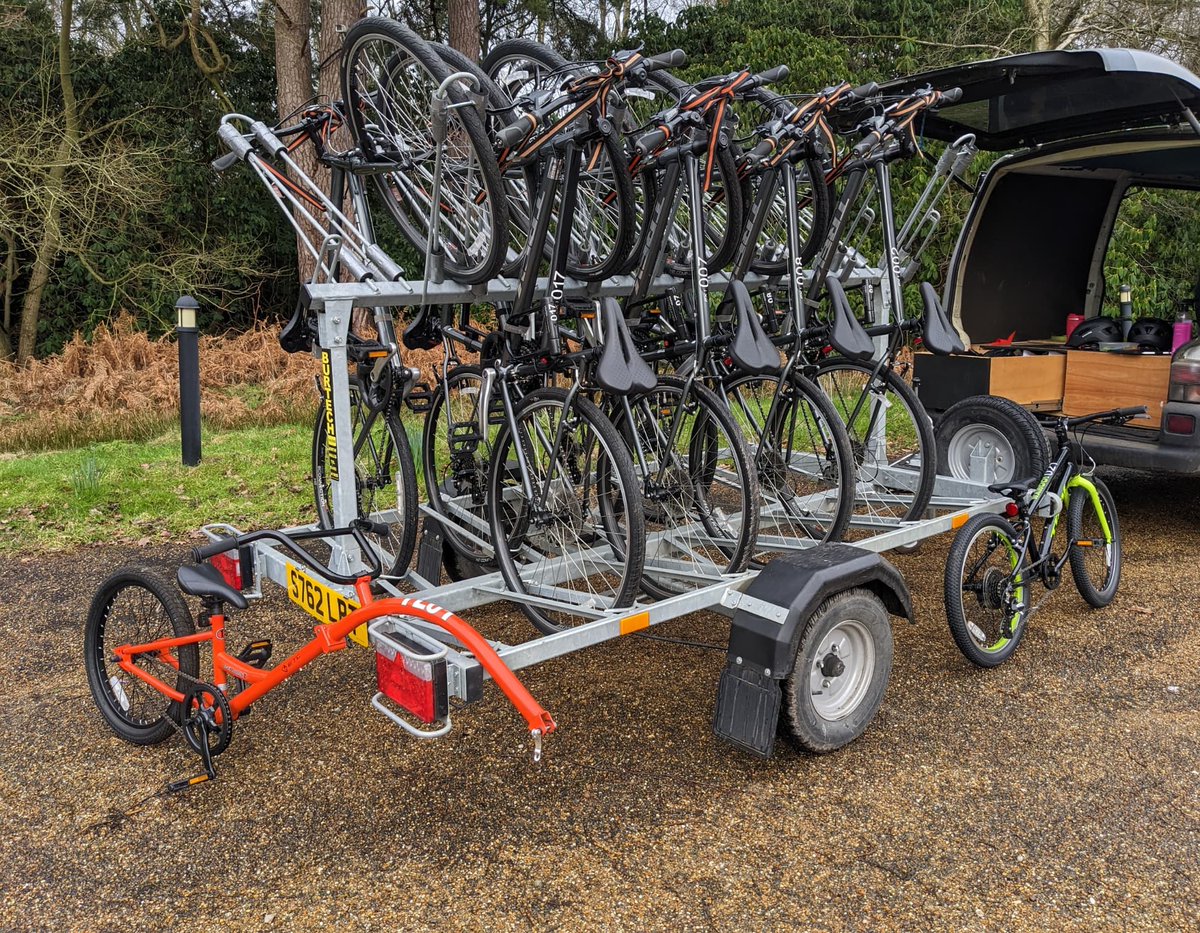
{"x":648,"y":142}
{"x":952,"y":95}
{"x":1132,"y":412}
{"x":867,"y":143}
{"x":772,"y":75}
{"x":213,"y":548}
{"x":762,"y":150}
{"x":512,"y":134}
{"x":224,"y":162}
{"x":863,"y":91}
{"x":676,"y":58}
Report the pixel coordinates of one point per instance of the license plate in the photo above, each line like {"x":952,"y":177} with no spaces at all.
{"x":322,"y":603}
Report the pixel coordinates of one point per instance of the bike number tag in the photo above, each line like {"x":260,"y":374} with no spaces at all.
{"x":322,"y":603}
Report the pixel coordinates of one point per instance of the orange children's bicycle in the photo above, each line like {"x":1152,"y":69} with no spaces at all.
{"x":142,"y":649}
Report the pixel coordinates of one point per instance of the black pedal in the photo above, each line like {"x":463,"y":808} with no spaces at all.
{"x":256,"y":654}
{"x":420,"y":398}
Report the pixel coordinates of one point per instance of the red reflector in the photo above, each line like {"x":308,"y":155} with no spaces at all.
{"x":417,"y":686}
{"x":229,"y":567}
{"x":1011,"y":510}
{"x":1181,"y":424}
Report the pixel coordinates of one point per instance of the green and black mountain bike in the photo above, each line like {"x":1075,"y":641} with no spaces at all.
{"x":995,"y":560}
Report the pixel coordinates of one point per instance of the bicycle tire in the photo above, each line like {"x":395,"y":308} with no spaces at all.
{"x":802,"y":457}
{"x":388,"y":105}
{"x":915,"y":442}
{"x":519,"y":182}
{"x":115,"y":691}
{"x":617,"y":194}
{"x":703,"y":508}
{"x":813,"y":225}
{"x":1081,"y":515}
{"x":463,"y":469}
{"x":725,"y":198}
{"x":986,"y":640}
{"x":383,"y":462}
{"x":611,"y":529}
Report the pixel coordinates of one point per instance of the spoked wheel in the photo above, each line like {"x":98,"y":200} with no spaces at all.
{"x":802,"y":457}
{"x":456,"y":455}
{"x":892,"y":438}
{"x":1095,"y":556}
{"x":986,"y":592}
{"x":134,"y":607}
{"x":722,"y":196}
{"x":207,"y":719}
{"x":841,"y":672}
{"x":385,"y":479}
{"x":812,"y":212}
{"x":699,"y":488}
{"x":567,"y":504}
{"x":388,"y":78}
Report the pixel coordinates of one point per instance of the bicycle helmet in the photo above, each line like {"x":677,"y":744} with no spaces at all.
{"x":1094,"y":331}
{"x":1151,"y":333}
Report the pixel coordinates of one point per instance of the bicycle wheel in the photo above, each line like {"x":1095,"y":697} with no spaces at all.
{"x":1095,"y":560}
{"x":724,"y":215}
{"x":986,"y":593}
{"x":699,"y":489}
{"x":388,"y":77}
{"x":519,"y":182}
{"x":455,"y":455}
{"x":813,"y":210}
{"x":891,"y":436}
{"x":385,"y":479}
{"x":581,"y":539}
{"x":802,"y":457}
{"x":136,"y":606}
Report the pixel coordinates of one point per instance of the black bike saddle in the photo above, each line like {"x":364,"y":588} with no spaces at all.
{"x":939,"y":335}
{"x":621,"y":370}
{"x":751,"y":349}
{"x":297,"y":335}
{"x":206,"y":580}
{"x":420,"y":333}
{"x":846,"y":334}
{"x":1013,"y":489}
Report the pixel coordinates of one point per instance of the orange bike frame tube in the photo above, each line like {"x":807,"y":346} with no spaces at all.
{"x":329,"y":638}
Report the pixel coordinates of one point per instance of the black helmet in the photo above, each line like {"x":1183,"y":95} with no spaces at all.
{"x":1151,"y":333}
{"x":1094,"y":331}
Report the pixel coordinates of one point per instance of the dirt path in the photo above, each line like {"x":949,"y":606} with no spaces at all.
{"x":1060,"y":790}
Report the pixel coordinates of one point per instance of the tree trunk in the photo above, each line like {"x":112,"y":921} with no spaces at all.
{"x":47,"y":249}
{"x":1038,"y":13}
{"x":294,"y":88}
{"x":464,"y":27}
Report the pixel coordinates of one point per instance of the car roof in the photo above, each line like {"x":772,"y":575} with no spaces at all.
{"x":1041,"y":97}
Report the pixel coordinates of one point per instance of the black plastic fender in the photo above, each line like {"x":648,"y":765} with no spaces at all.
{"x":768,"y":620}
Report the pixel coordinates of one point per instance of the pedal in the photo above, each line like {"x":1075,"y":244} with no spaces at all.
{"x":256,"y":654}
{"x":209,"y":773}
{"x":420,"y":398}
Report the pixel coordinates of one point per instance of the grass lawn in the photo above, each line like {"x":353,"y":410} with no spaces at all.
{"x":139,"y":492}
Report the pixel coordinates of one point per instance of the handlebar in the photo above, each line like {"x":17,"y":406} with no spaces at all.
{"x":862,"y":92}
{"x":770,"y":76}
{"x":512,"y":134}
{"x":951,"y":95}
{"x":289,"y":540}
{"x":1115,"y":416}
{"x":648,"y":142}
{"x":676,"y":58}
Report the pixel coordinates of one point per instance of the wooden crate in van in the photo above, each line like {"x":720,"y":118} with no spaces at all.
{"x":1033,"y":381}
{"x":1096,"y":381}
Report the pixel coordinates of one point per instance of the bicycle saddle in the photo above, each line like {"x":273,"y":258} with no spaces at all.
{"x":846,"y":334}
{"x":620,"y":369}
{"x":1013,"y":489}
{"x":938,"y":334}
{"x":297,"y":335}
{"x":420,"y":333}
{"x":205,"y":580}
{"x":751,"y":348}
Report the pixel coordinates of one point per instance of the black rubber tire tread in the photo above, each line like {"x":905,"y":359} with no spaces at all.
{"x":804,"y":726}
{"x":97,"y":652}
{"x":501,"y":113}
{"x":738,"y":557}
{"x":925,"y":434}
{"x":477,"y":138}
{"x":822,"y":210}
{"x":407,"y":539}
{"x":1006,"y":416}
{"x":431,"y":431}
{"x":1096,"y":596}
{"x":622,"y":257}
{"x":625,"y":476}
{"x":953,"y":595}
{"x":735,"y":212}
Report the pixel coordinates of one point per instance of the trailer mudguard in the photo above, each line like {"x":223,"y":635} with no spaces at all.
{"x":768,"y":621}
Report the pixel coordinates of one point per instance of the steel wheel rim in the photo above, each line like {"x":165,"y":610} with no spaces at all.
{"x":837,"y":694}
{"x":999,"y":452}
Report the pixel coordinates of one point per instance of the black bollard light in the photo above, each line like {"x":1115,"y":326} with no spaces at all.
{"x":189,"y":377}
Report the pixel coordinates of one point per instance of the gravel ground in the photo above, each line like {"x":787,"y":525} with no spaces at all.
{"x":1058,"y":791}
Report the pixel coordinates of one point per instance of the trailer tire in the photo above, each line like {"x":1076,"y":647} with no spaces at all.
{"x":1018,"y":444}
{"x":845,"y":651}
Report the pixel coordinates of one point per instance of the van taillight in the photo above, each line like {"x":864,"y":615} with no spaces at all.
{"x":1185,"y":374}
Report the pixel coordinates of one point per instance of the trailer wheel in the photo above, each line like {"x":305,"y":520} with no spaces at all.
{"x":1000,"y":429}
{"x":841,"y":672}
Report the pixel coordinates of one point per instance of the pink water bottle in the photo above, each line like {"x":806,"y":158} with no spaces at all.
{"x":1073,"y":321}
{"x":1182,"y":332}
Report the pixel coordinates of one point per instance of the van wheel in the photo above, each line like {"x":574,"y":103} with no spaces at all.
{"x":998,"y":429}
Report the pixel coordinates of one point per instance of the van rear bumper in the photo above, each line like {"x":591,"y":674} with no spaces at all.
{"x":1172,"y":453}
